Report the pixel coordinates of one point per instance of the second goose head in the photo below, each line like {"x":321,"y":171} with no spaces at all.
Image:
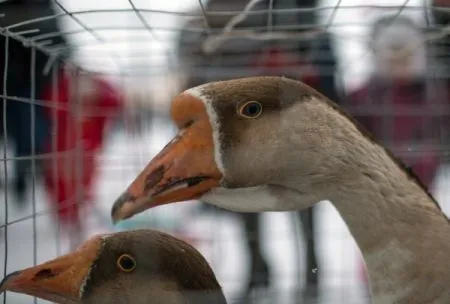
{"x":139,"y":266}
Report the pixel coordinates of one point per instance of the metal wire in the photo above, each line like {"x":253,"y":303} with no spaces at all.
{"x":205,"y":17}
{"x":54,"y":135}
{"x":270,"y":17}
{"x":33,"y":152}
{"x":5,"y":162}
{"x":278,"y":31}
{"x":89,"y":30}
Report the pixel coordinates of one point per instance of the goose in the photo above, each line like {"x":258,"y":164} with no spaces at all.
{"x":140,"y":266}
{"x":265,"y":143}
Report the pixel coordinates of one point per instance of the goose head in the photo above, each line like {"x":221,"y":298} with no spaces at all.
{"x":248,"y":145}
{"x":139,"y":266}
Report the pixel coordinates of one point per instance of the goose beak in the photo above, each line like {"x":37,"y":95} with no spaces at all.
{"x":59,"y":280}
{"x":184,"y":170}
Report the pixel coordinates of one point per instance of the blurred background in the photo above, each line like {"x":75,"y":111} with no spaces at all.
{"x":86,"y":89}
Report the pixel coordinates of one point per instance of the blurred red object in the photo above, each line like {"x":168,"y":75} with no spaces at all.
{"x":275,"y":61}
{"x":394,"y":119}
{"x":404,"y":106}
{"x":79,"y":111}
{"x":441,"y":3}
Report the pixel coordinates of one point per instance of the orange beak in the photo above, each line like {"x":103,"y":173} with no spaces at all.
{"x":60,"y":280}
{"x":184,"y":170}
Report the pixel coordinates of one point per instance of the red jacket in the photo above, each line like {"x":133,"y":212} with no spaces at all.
{"x":275,"y":61}
{"x":70,"y":173}
{"x":95,"y":113}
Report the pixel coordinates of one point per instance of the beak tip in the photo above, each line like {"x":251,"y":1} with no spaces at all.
{"x":118,"y":214}
{"x":115,"y":220}
{"x":4,"y":284}
{"x":117,"y":208}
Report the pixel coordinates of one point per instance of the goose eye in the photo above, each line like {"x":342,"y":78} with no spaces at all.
{"x":250,"y":109}
{"x":126,"y":263}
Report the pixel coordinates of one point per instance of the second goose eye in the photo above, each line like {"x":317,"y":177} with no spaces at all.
{"x":126,"y":263}
{"x":250,"y":109}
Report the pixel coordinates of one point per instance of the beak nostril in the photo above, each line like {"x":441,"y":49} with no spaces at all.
{"x":45,"y":273}
{"x":154,"y":178}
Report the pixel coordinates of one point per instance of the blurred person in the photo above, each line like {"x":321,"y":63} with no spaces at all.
{"x":401,"y":104}
{"x":75,"y":119}
{"x":312,"y":61}
{"x":86,"y":105}
{"x":19,"y":84}
{"x":404,"y":107}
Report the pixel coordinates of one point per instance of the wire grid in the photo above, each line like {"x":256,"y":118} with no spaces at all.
{"x":127,"y":54}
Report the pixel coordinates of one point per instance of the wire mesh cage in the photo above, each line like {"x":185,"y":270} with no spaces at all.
{"x":86,"y":90}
